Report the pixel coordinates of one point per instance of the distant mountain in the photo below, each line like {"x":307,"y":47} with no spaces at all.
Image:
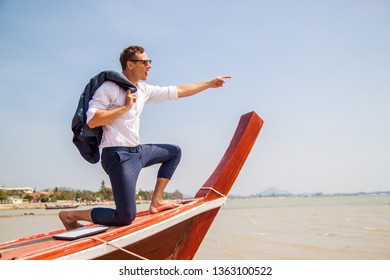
{"x":273,"y":192}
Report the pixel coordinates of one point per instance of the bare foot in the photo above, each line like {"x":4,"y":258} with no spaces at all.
{"x":159,"y":207}
{"x":66,"y":219}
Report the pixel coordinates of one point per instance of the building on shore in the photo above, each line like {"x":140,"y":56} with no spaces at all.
{"x":21,"y":190}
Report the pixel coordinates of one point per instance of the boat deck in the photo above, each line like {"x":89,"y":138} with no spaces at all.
{"x":44,"y":246}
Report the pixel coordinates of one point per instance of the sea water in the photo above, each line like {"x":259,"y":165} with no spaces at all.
{"x":303,"y":228}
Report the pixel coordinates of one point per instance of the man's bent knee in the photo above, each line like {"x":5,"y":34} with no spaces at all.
{"x":126,"y":220}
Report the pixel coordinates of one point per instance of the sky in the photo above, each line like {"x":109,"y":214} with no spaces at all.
{"x":317,"y":73}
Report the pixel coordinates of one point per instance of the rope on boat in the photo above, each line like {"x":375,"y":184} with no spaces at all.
{"x":117,"y":247}
{"x":214,"y":190}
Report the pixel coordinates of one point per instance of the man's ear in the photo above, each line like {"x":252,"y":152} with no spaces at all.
{"x":129,"y":64}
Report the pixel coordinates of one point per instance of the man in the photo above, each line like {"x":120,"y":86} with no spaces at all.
{"x":123,"y":155}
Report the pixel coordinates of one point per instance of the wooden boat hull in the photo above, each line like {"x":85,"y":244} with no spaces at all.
{"x":172,"y":234}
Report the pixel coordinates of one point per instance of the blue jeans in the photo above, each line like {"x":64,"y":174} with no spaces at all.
{"x":123,"y":165}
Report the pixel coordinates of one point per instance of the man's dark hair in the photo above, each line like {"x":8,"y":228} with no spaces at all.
{"x":129,"y":54}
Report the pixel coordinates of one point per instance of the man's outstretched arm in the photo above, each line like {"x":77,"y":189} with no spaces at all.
{"x":191,"y":89}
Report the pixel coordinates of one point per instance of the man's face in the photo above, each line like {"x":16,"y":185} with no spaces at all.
{"x":140,"y":70}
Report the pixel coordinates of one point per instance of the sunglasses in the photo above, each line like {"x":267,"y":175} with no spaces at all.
{"x":145,"y":62}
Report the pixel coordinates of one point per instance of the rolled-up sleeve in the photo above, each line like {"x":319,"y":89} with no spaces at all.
{"x":101,"y":100}
{"x":157,"y":94}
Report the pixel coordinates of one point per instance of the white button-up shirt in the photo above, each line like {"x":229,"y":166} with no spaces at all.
{"x":124,"y":130}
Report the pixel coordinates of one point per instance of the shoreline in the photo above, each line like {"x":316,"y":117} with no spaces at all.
{"x":27,"y":206}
